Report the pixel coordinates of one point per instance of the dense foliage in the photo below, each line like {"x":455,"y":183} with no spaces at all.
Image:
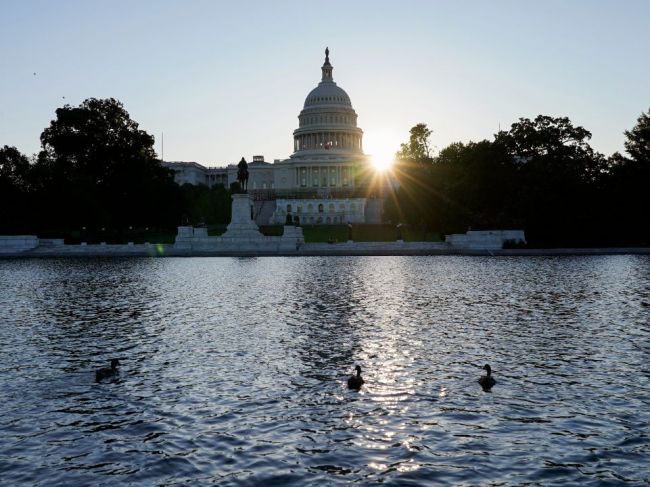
{"x":98,"y":172}
{"x":541,"y":175}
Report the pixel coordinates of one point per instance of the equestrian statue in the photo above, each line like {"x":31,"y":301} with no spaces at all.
{"x":242,"y":175}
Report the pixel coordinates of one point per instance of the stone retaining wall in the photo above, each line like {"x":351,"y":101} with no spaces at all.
{"x":17,"y":243}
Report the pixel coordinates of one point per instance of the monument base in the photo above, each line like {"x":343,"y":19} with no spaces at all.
{"x":241,"y":223}
{"x":242,"y":236}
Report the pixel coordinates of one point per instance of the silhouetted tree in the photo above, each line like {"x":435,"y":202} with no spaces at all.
{"x":14,"y":186}
{"x":410,"y":203}
{"x":626,"y":191}
{"x":475,"y":185}
{"x":205,"y":205}
{"x":559,"y":176}
{"x":418,"y":148}
{"x":97,"y":167}
{"x":637,"y":144}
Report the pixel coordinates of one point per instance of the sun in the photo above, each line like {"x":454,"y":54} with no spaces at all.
{"x":382,"y":162}
{"x":382,"y":150}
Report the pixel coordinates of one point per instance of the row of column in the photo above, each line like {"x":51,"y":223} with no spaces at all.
{"x":314,"y":176}
{"x":325,"y":140}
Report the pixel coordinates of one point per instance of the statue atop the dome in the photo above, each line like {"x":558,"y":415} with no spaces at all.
{"x":242,"y":174}
{"x":327,"y":54}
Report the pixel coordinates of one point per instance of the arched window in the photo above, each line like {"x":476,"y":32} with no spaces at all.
{"x":288,"y":208}
{"x":299,"y":209}
{"x":331,"y":208}
{"x":328,"y":220}
{"x":320,"y":208}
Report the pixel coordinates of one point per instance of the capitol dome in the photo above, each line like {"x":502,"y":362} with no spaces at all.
{"x":327,"y":122}
{"x":327,"y":93}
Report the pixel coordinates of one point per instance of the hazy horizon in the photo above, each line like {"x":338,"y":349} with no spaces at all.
{"x":223,"y":81}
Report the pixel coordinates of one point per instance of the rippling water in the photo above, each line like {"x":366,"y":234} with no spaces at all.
{"x":234,"y":370}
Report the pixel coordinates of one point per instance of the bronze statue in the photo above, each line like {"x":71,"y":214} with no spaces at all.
{"x":242,"y":174}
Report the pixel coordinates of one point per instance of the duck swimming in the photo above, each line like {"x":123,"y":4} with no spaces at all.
{"x":487,"y":381}
{"x":106,"y":373}
{"x":356,"y":381}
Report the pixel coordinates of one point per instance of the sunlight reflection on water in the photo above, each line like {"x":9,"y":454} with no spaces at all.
{"x":234,"y":370}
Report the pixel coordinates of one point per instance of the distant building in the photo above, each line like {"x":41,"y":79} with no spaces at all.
{"x":327,"y":179}
{"x":195,"y":173}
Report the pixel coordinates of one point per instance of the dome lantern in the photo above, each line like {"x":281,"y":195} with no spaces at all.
{"x":327,"y":67}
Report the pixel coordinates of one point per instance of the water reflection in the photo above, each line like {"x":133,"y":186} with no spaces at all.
{"x":235,"y":370}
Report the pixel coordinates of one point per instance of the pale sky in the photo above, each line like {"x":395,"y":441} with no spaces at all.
{"x":227,"y":79}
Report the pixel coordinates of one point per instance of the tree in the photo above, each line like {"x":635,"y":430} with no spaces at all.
{"x":418,"y":148}
{"x":14,"y":168}
{"x":14,"y":184}
{"x":205,"y":205}
{"x":626,"y":189}
{"x":559,"y":176}
{"x":475,"y":185}
{"x":552,"y":144}
{"x":638,"y":139}
{"x":97,"y":167}
{"x":412,"y":169}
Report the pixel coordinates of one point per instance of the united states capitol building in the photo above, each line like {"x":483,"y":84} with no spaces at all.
{"x":327,"y":180}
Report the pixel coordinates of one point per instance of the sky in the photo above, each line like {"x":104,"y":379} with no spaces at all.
{"x":224,"y":79}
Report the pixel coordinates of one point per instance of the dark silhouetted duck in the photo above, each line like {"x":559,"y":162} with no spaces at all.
{"x":107,"y":373}
{"x":356,"y":381}
{"x":487,"y":381}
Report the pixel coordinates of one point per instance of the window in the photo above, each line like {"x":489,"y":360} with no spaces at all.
{"x":299,"y":209}
{"x":288,"y":208}
{"x":320,"y":208}
{"x":310,"y":208}
{"x":331,"y":208}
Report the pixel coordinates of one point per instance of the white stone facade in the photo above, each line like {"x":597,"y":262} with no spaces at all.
{"x":320,"y":211}
{"x":195,"y":173}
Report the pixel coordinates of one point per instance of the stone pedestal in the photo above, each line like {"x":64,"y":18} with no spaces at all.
{"x":241,"y":224}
